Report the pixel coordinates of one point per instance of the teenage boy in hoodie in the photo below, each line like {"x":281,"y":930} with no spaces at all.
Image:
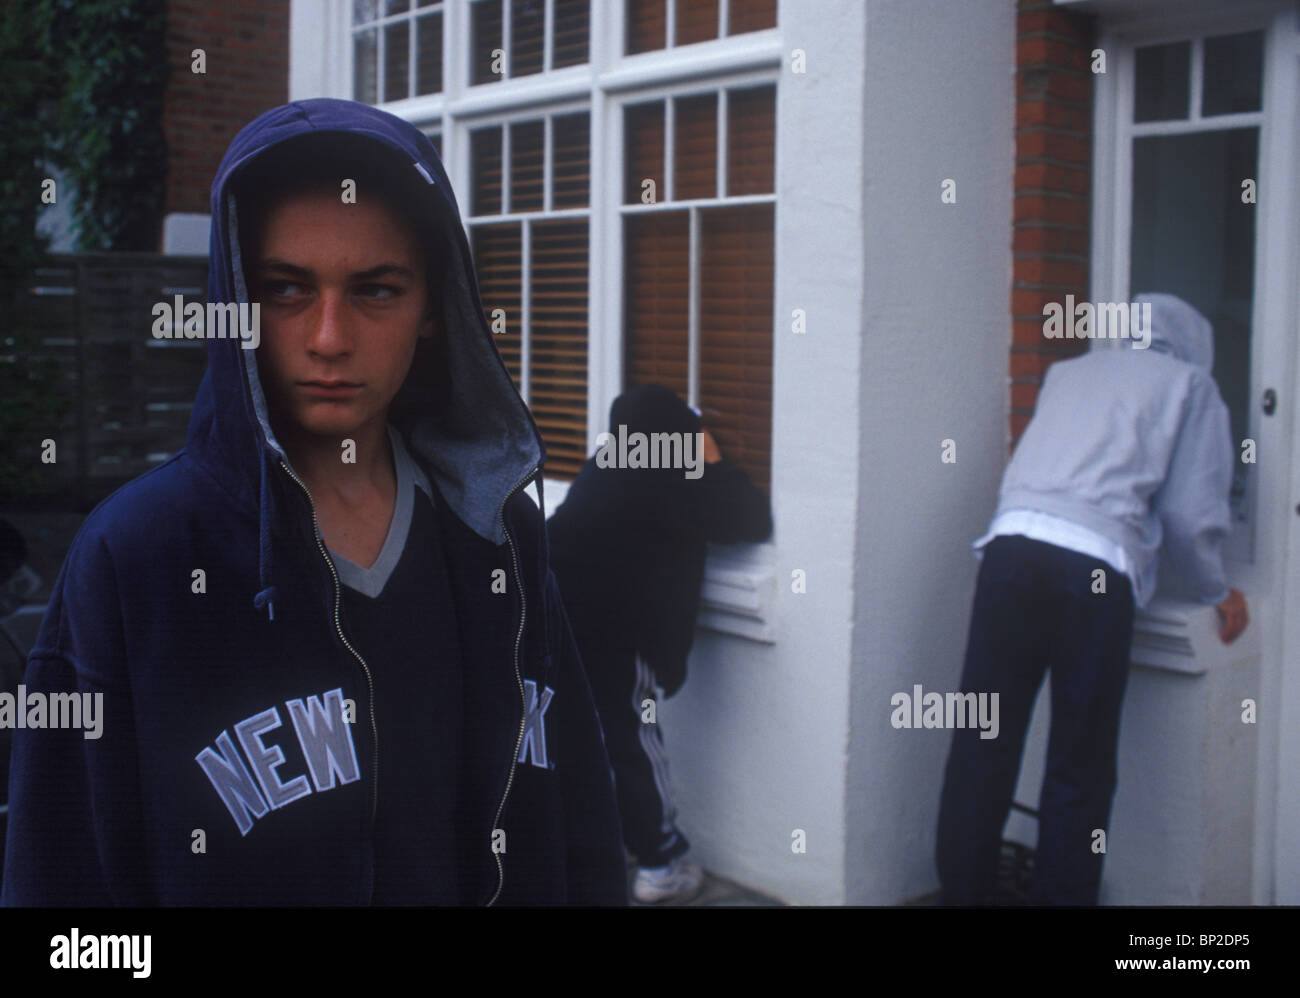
{"x":628,"y":545}
{"x":333,"y":663}
{"x":1128,"y":456}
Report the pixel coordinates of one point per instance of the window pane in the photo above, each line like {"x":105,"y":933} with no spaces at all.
{"x":751,"y":141}
{"x":1193,"y":237}
{"x":526,"y":166}
{"x":364,"y":11}
{"x":697,"y":21}
{"x":558,"y":341}
{"x":525,"y":37}
{"x":571,"y":32}
{"x":695,"y":148}
{"x":485,"y":20}
{"x":497,"y":256}
{"x":656,"y":277}
{"x":736,"y":281}
{"x":647,"y":25}
{"x":428,"y":55}
{"x":485,"y":162}
{"x":396,"y":6}
{"x":1163,"y":79}
{"x":364,"y":78}
{"x":750,"y":15}
{"x":397,"y":61}
{"x":571,"y":142}
{"x":644,"y":152}
{"x":1234,"y":66}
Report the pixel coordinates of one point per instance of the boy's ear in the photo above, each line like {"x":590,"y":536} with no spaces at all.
{"x":428,"y":323}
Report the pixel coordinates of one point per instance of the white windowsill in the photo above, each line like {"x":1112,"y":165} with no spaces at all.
{"x":1184,"y":637}
{"x":739,"y":592}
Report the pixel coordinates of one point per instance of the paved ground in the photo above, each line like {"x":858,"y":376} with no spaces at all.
{"x":1014,"y":868}
{"x":717,"y":893}
{"x":721,"y":893}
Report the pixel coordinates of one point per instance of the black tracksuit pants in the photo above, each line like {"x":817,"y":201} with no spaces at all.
{"x":621,"y":684}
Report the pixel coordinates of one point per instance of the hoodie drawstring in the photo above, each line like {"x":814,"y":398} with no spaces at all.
{"x":544,"y":557}
{"x":266,"y":594}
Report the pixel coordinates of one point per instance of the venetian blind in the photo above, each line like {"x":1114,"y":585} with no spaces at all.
{"x":735,"y":267}
{"x":556,"y":295}
{"x":696,"y":20}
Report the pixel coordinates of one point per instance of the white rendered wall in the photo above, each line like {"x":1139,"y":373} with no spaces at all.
{"x":940,"y":104}
{"x":757,"y":738}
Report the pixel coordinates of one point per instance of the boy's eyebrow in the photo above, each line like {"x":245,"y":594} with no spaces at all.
{"x":386,"y":269}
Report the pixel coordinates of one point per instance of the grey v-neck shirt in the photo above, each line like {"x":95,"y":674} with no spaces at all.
{"x":371,"y":581}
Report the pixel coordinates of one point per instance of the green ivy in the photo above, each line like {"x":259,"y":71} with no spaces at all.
{"x":26,"y":79}
{"x":108,"y":136}
{"x":82,"y":88}
{"x":27,"y":390}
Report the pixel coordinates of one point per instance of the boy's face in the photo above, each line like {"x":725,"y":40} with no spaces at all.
{"x":343,"y":302}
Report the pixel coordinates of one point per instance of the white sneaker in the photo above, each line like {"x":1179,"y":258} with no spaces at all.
{"x":677,"y":882}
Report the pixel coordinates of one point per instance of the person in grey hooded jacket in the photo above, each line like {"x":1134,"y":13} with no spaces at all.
{"x":1128,"y":459}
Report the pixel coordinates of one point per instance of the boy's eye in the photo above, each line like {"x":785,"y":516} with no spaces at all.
{"x":379,"y":292}
{"x":281,"y":289}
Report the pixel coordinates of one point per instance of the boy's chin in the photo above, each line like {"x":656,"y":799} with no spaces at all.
{"x":333,"y":420}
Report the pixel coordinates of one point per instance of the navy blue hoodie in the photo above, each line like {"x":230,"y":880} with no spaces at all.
{"x":239,"y":761}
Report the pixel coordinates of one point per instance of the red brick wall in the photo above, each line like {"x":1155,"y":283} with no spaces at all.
{"x":1053,"y":186}
{"x":247,"y":48}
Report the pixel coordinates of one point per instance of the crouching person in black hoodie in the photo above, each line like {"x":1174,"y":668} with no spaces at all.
{"x":324,"y":650}
{"x":628,"y":546}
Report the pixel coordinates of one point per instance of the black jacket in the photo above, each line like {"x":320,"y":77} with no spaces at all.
{"x":629,"y":544}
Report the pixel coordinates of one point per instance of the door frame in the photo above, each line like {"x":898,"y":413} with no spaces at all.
{"x":1271,"y":580}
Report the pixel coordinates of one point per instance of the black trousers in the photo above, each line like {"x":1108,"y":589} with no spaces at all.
{"x":1035,"y":610}
{"x":621,"y":684}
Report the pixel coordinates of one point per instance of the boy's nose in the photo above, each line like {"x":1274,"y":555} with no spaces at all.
{"x":331,"y":332}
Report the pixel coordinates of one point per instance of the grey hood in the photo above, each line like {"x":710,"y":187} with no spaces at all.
{"x":1179,"y":330}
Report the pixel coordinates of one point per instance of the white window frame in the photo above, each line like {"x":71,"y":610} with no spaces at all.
{"x":380,"y":24}
{"x":525,"y":219}
{"x":669,"y":94}
{"x":670,"y":22}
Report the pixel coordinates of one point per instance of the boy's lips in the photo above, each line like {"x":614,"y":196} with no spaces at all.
{"x":330,"y":389}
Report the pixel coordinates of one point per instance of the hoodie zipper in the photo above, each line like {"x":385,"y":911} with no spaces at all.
{"x":519,"y":682}
{"x":338,"y":627}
